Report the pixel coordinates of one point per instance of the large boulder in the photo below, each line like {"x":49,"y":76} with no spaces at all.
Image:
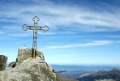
{"x":26,"y":53}
{"x":3,"y":60}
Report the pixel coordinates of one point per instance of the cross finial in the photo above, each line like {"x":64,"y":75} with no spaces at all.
{"x":36,"y":19}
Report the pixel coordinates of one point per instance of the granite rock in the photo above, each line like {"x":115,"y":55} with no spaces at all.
{"x":26,"y":53}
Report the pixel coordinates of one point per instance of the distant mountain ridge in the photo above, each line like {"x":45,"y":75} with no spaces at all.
{"x":75,"y":71}
{"x":93,"y":68}
{"x":112,"y":74}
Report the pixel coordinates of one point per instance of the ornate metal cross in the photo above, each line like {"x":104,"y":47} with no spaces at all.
{"x":35,"y":28}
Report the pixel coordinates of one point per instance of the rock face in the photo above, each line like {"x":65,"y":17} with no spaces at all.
{"x":26,"y":53}
{"x":27,"y":68}
{"x":3,"y":60}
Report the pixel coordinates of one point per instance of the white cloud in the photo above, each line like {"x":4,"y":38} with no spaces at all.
{"x":56,"y":16}
{"x":93,"y":43}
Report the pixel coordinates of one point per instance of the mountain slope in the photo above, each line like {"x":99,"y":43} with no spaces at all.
{"x":101,"y":75}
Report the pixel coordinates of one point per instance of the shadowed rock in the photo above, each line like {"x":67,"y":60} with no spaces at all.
{"x":12,"y":64}
{"x":3,"y":60}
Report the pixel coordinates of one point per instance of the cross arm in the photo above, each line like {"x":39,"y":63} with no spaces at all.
{"x":45,"y":28}
{"x":25,"y":27}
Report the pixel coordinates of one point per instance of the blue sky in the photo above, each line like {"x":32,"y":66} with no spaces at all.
{"x":81,"y":31}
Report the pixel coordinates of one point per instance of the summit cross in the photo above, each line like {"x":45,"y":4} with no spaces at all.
{"x":35,"y":28}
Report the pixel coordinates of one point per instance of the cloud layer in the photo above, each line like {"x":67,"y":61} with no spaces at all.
{"x":93,"y":43}
{"x":61,"y":17}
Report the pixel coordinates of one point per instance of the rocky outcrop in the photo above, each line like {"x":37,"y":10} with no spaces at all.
{"x":29,"y":70}
{"x":3,"y":60}
{"x":26,"y":53}
{"x":26,"y":68}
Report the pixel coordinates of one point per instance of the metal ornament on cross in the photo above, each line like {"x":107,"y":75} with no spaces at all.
{"x":35,"y":28}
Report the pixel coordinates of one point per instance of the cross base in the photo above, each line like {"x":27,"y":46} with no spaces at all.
{"x":34,"y":52}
